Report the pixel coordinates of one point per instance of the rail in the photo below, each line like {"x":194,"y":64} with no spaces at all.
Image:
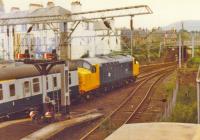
{"x":152,"y":65}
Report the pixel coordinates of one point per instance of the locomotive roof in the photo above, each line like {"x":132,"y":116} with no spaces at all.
{"x":107,"y":59}
{"x":20,"y":70}
{"x":96,"y":60}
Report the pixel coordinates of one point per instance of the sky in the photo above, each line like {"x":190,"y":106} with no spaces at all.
{"x":165,"y":11}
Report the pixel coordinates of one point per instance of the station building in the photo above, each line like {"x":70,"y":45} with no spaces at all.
{"x":89,"y":38}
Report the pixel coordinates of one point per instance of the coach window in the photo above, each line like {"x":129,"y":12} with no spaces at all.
{"x":36,"y":85}
{"x":55,"y":81}
{"x":12,"y":90}
{"x":26,"y":87}
{"x":1,"y":92}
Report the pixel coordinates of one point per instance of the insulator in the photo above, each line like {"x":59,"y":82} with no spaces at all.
{"x":30,"y":29}
{"x":107,"y":24}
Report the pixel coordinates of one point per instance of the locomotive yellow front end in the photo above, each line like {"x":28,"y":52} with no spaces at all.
{"x":136,"y":68}
{"x":89,"y":79}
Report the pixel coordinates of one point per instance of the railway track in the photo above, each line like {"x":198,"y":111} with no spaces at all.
{"x":145,"y":68}
{"x":27,"y":128}
{"x":145,"y":75}
{"x":127,"y":109}
{"x":145,"y":101}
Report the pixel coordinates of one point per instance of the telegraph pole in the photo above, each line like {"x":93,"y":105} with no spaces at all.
{"x":193,"y":44}
{"x":132,"y":29}
{"x":180,"y":46}
{"x":182,"y":42}
{"x":160,"y":49}
{"x":180,"y":50}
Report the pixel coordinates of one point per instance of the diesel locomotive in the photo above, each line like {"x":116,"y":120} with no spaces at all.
{"x":105,"y":73}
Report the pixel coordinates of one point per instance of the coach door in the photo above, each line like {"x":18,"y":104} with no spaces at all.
{"x":55,"y":94}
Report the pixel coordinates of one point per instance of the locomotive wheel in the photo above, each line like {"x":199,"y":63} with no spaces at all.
{"x":85,"y":98}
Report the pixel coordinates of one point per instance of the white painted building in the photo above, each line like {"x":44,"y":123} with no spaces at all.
{"x":89,"y":37}
{"x":2,"y":10}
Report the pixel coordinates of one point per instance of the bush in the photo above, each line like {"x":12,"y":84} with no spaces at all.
{"x":184,"y":113}
{"x":185,"y":110}
{"x":193,"y":62}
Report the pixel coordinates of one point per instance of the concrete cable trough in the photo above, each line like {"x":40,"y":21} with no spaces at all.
{"x":8,"y":123}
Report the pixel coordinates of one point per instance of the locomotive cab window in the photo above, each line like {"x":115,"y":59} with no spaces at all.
{"x":93,"y":69}
{"x":26,"y":87}
{"x":36,"y":85}
{"x":86,"y":65}
{"x":12,"y":90}
{"x":1,"y":92}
